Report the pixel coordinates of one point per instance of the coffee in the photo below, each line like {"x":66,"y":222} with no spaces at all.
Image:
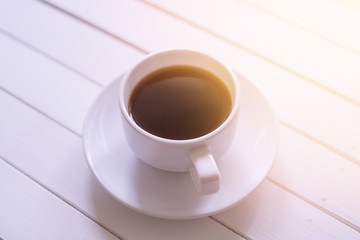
{"x":180,"y":102}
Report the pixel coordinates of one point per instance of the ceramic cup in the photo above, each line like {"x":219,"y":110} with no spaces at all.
{"x":199,"y":155}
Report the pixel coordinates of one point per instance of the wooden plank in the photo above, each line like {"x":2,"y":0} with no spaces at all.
{"x":54,"y":157}
{"x":29,"y":211}
{"x":69,"y":41}
{"x":269,"y":213}
{"x":314,"y":172}
{"x":61,"y":94}
{"x":280,"y":42}
{"x":325,"y":18}
{"x":62,"y":155}
{"x":314,"y":114}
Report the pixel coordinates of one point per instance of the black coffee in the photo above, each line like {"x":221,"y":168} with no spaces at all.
{"x":180,"y":102}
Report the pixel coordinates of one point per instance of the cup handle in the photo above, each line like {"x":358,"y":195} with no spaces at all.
{"x":205,"y":173}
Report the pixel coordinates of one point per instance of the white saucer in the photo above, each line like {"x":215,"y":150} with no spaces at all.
{"x":173,"y":195}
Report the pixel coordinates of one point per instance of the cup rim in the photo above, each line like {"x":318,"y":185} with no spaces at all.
{"x":230,"y":118}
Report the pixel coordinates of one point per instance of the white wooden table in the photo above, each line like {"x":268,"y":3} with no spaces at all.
{"x":57,"y":55}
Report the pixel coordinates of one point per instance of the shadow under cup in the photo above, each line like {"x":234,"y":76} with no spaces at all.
{"x":171,"y":154}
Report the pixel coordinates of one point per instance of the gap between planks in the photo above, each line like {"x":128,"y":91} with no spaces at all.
{"x":346,"y":48}
{"x":324,"y":144}
{"x":233,"y":230}
{"x":65,"y":12}
{"x":39,"y":111}
{"x":331,"y":214}
{"x":57,"y":195}
{"x":16,"y":39}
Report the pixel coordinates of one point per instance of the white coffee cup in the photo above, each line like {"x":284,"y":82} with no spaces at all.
{"x":196,"y":155}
